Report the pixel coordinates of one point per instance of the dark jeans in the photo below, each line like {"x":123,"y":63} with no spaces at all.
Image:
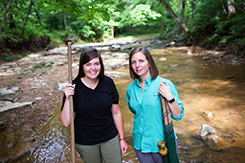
{"x":152,"y":157}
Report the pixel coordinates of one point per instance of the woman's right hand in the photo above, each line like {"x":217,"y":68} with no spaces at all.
{"x":69,"y":90}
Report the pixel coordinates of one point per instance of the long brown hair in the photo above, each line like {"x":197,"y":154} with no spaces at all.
{"x":153,"y":67}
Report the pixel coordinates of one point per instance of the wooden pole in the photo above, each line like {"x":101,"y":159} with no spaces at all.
{"x":166,"y":110}
{"x":71,"y":102}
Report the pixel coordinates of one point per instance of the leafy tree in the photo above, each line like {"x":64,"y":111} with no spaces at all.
{"x":211,"y":26}
{"x":39,"y":24}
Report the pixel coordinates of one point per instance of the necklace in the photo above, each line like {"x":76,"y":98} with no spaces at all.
{"x":92,"y":84}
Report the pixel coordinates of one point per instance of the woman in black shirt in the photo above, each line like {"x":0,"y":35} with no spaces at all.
{"x":98,"y":123}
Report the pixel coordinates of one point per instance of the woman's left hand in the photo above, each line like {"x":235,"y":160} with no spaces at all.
{"x":165,"y":91}
{"x":124,"y":146}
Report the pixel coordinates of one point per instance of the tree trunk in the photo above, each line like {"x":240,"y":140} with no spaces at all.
{"x":29,"y":10}
{"x":4,"y":15}
{"x":112,"y":31}
{"x":112,"y":28}
{"x":36,"y":11}
{"x":193,"y":6}
{"x":182,"y":13}
{"x":175,"y":17}
{"x":11,"y":21}
{"x":64,"y":17}
{"x":162,"y":28}
{"x":231,"y":8}
{"x":183,"y":8}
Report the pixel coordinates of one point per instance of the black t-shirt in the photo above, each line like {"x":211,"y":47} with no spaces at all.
{"x":94,"y":122}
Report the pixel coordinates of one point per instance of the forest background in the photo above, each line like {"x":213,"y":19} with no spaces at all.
{"x":34,"y":25}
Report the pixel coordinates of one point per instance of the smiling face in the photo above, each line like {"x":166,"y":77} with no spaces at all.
{"x":92,"y":68}
{"x":140,"y":65}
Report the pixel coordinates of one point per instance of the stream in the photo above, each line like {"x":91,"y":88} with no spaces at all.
{"x":204,"y":85}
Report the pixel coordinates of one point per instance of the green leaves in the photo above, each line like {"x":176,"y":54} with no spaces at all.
{"x":93,"y":19}
{"x":141,"y":14}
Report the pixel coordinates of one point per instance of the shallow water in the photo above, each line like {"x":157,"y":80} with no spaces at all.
{"x":203,"y":85}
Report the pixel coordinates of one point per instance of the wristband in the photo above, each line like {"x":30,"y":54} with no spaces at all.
{"x":122,"y":139}
{"x":171,"y":101}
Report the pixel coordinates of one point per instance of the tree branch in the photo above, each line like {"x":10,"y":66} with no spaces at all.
{"x":4,"y":15}
{"x":175,"y":17}
{"x":28,"y":13}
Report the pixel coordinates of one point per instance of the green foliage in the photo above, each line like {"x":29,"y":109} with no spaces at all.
{"x":138,"y":16}
{"x":87,"y":19}
{"x":91,"y":20}
{"x":46,"y":70}
{"x":212,"y":26}
{"x":87,"y":31}
{"x":39,"y":65}
{"x":10,"y":57}
{"x":49,"y":64}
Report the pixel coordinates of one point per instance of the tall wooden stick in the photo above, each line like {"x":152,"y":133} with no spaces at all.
{"x":166,"y":110}
{"x":71,"y":102}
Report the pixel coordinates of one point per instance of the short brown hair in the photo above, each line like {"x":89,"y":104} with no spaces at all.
{"x":153,"y":67}
{"x":86,"y":56}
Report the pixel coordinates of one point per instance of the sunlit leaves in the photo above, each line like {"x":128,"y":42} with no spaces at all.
{"x":138,"y":16}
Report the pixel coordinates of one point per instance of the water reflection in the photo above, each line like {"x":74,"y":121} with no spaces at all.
{"x":203,"y":86}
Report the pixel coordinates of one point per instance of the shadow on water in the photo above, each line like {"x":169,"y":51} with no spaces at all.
{"x":204,"y":86}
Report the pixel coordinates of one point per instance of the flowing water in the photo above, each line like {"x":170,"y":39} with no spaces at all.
{"x":204,"y":86}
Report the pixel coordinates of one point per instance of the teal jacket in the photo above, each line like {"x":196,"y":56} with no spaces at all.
{"x":146,"y":107}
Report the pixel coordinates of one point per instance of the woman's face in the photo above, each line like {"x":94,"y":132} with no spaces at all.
{"x":140,"y":65}
{"x":92,"y":68}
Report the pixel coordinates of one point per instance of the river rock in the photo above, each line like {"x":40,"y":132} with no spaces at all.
{"x":60,"y":50}
{"x":105,"y":48}
{"x":8,"y":91}
{"x":8,"y":105}
{"x":207,"y":115}
{"x":2,"y":125}
{"x":38,"y":98}
{"x":115,"y":47}
{"x":61,"y":86}
{"x":206,"y":129}
{"x":125,"y":64}
{"x":215,"y":142}
{"x":163,"y":59}
{"x":174,"y":65}
{"x":23,"y":146}
{"x":114,"y":74}
{"x":113,"y":63}
{"x":189,"y":52}
{"x":120,"y":55}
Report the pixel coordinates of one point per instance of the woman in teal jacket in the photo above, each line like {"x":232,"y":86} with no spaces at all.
{"x":143,"y":96}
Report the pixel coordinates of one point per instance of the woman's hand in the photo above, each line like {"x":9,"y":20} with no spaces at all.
{"x":165,"y":91}
{"x":117,"y":116}
{"x":69,"y":90}
{"x":124,"y":146}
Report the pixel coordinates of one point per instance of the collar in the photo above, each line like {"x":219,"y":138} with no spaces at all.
{"x":147,"y":82}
